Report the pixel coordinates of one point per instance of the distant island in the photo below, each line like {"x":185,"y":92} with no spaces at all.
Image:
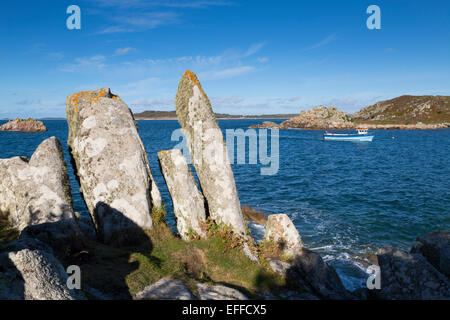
{"x":160,"y":115}
{"x":28,"y":125}
{"x":404,"y":112}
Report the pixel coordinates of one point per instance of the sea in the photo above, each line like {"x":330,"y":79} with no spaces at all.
{"x":346,"y":199}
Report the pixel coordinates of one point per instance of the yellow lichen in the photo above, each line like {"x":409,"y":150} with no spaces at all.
{"x":190,"y":75}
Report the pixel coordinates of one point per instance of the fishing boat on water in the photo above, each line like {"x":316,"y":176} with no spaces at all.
{"x":361,"y":135}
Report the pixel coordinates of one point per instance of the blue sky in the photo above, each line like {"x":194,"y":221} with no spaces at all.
{"x":252,"y":57}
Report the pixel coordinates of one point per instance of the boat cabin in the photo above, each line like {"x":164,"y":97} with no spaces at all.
{"x":362,"y":130}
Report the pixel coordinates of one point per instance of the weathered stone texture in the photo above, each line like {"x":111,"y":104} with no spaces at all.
{"x":188,"y":202}
{"x":111,"y":163}
{"x":208,"y":153}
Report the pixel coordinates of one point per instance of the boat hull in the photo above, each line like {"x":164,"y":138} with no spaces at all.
{"x":348,"y":138}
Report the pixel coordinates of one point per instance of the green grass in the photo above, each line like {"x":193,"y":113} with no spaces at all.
{"x":123,"y":272}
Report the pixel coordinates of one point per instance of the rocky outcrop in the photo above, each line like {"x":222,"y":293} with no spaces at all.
{"x":319,"y":117}
{"x":218,"y":292}
{"x":188,"y":202}
{"x":309,"y":271}
{"x":435,"y":247}
{"x":28,"y":125}
{"x":254,"y":215}
{"x":208,"y":153}
{"x":37,"y":192}
{"x":281,"y":231}
{"x":406,"y":276}
{"x":266,"y":124}
{"x":34,"y":275}
{"x":166,"y":289}
{"x":111,"y":164}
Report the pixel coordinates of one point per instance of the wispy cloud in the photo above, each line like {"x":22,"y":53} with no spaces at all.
{"x":93,"y":63}
{"x":139,"y":22}
{"x":262,"y":59}
{"x":161,"y":3}
{"x":323,"y":42}
{"x":226,"y":73}
{"x":122,"y":51}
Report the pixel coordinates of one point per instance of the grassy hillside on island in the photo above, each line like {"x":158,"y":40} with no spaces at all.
{"x":172,"y":115}
{"x":407,"y":110}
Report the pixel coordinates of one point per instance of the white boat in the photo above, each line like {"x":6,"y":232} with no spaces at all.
{"x":361,"y":135}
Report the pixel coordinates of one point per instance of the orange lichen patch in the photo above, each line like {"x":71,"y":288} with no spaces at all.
{"x":192,"y":76}
{"x":88,"y":96}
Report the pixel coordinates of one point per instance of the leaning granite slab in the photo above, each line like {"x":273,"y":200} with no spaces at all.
{"x":35,"y":195}
{"x":218,"y":292}
{"x":28,"y":125}
{"x":406,"y":276}
{"x":208,"y":153}
{"x":188,"y":202}
{"x":435,"y":247}
{"x":111,"y":164}
{"x":309,"y":271}
{"x":281,"y":231}
{"x":34,"y":275}
{"x":166,"y":289}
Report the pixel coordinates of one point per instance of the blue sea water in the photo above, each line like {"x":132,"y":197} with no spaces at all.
{"x":346,"y":199}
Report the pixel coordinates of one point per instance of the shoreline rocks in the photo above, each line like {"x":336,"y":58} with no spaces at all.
{"x":111,"y":164}
{"x":254,"y":215}
{"x":409,"y":276}
{"x":28,"y":125}
{"x":208,"y":153}
{"x":281,"y":232}
{"x":188,"y":202}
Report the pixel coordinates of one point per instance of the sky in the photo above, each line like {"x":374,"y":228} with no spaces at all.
{"x":252,"y":57}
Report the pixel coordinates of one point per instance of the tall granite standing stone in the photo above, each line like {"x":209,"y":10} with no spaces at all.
{"x":208,"y":153}
{"x":188,"y":202}
{"x":37,"y":191}
{"x":111,"y":164}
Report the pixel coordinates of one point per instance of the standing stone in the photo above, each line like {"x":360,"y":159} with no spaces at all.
{"x":37,"y":191}
{"x":111,"y":164}
{"x":208,"y":153}
{"x":188,"y":202}
{"x":281,"y":231}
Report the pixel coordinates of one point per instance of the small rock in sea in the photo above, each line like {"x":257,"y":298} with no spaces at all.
{"x":209,"y":153}
{"x":28,"y":125}
{"x":112,"y":166}
{"x":188,"y":202}
{"x":281,"y":231}
{"x":166,"y":289}
{"x":218,"y":292}
{"x":409,"y":276}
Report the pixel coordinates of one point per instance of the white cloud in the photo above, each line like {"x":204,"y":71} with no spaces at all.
{"x":122,"y":51}
{"x":262,"y":59}
{"x":323,"y":42}
{"x":226,"y":73}
{"x":93,"y":63}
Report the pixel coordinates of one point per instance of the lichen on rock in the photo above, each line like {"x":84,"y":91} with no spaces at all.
{"x":188,"y":202}
{"x":208,"y":153}
{"x":111,"y":163}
